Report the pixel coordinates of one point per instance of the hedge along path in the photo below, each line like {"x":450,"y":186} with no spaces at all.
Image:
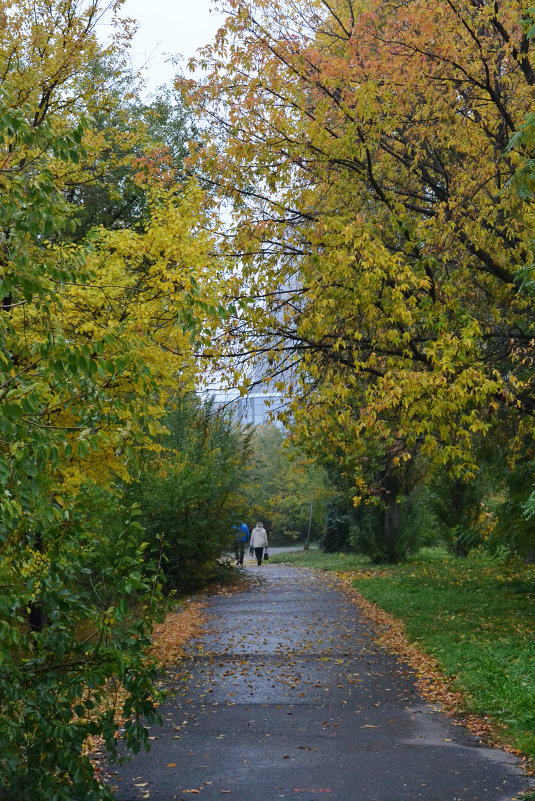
{"x":431,"y":681}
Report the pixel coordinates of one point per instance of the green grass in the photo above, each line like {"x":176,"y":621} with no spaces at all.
{"x":475,"y":615}
{"x":325,"y":561}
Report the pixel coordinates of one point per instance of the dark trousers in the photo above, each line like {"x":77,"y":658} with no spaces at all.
{"x":239,"y":550}
{"x":259,"y":553}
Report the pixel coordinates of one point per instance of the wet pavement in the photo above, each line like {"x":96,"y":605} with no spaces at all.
{"x":289,"y":697}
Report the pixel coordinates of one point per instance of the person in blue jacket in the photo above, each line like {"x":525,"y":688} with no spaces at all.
{"x":241,"y":538}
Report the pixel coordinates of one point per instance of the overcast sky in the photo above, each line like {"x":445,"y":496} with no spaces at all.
{"x":169,"y":27}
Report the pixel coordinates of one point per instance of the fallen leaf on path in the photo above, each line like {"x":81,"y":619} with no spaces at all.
{"x":170,"y":636}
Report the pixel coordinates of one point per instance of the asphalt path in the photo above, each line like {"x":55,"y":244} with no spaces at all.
{"x":289,"y":697}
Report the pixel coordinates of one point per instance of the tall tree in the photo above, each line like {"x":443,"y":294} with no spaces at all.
{"x":191,"y":490}
{"x":93,"y":335}
{"x":365,"y":148}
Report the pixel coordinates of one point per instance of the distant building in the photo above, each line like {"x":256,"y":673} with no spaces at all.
{"x":257,"y":408}
{"x":262,"y":402}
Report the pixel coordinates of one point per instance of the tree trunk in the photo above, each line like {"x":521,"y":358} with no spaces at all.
{"x":392,"y":519}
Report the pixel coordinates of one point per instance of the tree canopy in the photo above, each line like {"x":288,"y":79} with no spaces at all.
{"x":368,"y":150}
{"x":97,"y":327}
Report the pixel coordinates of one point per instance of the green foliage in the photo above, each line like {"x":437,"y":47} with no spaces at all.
{"x":191,"y":490}
{"x":32,"y":208}
{"x":385,"y":526}
{"x":457,"y":509}
{"x":515,"y":524}
{"x":337,"y":525}
{"x":283,"y":486}
{"x":524,"y":178}
{"x":523,"y":141}
{"x":78,"y":598}
{"x":170,"y":125}
{"x":370,"y":537}
{"x":384,"y":541}
{"x":111,"y":196}
{"x":65,"y":643}
{"x":529,"y":507}
{"x":60,"y":646}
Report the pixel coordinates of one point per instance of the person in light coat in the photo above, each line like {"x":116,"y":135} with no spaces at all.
{"x":259,"y":541}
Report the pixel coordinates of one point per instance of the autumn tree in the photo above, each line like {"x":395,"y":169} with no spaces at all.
{"x":286,"y":489}
{"x":108,"y":194}
{"x":366,"y":154}
{"x":94,"y":332}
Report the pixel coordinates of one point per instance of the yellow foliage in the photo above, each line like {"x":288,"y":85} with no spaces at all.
{"x":381,"y":239}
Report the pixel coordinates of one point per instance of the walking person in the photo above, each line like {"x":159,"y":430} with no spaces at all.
{"x":259,"y":541}
{"x":241,"y":538}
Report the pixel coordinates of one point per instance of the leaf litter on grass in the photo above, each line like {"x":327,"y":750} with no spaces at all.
{"x":431,"y":681}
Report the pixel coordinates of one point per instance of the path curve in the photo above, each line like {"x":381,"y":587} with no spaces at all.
{"x":289,"y":697}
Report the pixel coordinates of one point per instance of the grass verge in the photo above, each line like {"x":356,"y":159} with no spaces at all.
{"x":475,"y":616}
{"x":325,"y":561}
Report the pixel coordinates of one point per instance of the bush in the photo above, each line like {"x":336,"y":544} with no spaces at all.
{"x":191,"y":491}
{"x":68,"y":634}
{"x":515,"y":514}
{"x":338,"y":525}
{"x":456,"y":505}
